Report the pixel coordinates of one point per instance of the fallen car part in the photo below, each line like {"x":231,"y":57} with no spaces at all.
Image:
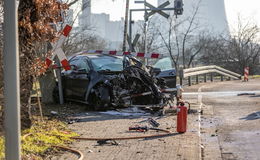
{"x":243,"y":94}
{"x":139,"y":128}
{"x":107,"y":141}
{"x":144,"y":129}
{"x":153,"y":122}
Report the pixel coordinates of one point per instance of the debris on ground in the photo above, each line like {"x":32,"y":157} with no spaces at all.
{"x":153,"y":122}
{"x":193,"y":111}
{"x":107,"y":141}
{"x":90,"y":151}
{"x":138,"y":128}
{"x":244,"y":94}
{"x":130,"y":111}
{"x":252,"y":116}
{"x":54,"y":112}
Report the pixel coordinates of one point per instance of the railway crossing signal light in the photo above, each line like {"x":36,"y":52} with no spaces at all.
{"x":178,"y":7}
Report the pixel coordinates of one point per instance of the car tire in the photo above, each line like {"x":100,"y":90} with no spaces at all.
{"x":96,"y":100}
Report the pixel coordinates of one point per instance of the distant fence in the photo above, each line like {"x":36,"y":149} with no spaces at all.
{"x":205,"y":71}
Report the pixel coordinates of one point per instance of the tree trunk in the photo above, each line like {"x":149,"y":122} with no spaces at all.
{"x":26,"y":84}
{"x":26,"y":52}
{"x":1,"y":92}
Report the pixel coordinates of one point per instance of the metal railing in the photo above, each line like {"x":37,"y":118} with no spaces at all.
{"x":204,"y":70}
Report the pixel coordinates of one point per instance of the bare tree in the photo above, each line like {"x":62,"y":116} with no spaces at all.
{"x":168,"y":42}
{"x":236,"y":51}
{"x":77,"y":42}
{"x":180,"y":37}
{"x":151,"y":37}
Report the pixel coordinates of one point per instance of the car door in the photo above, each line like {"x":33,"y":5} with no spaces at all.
{"x":76,"y":80}
{"x":168,"y":73}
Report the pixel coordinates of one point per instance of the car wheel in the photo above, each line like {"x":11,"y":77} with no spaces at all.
{"x":99,"y":100}
{"x":97,"y":104}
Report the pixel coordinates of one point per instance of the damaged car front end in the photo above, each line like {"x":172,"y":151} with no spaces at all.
{"x":104,"y":81}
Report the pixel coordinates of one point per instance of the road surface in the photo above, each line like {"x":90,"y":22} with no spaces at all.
{"x":230,"y":124}
{"x":228,"y":128}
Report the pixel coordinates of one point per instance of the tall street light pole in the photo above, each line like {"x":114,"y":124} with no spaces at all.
{"x":11,"y":82}
{"x":145,"y":29}
{"x":145,"y":33}
{"x":125,"y":26}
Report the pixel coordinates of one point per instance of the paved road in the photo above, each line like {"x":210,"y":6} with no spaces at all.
{"x":230,"y":124}
{"x":228,"y":129}
{"x":94,"y":124}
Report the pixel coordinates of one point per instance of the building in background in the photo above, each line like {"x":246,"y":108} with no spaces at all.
{"x":102,"y":26}
{"x":211,"y":15}
{"x":84,"y":17}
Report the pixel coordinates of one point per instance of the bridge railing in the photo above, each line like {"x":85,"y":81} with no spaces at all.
{"x":212,"y":70}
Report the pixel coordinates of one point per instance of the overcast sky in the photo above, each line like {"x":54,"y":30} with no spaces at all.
{"x":246,"y":8}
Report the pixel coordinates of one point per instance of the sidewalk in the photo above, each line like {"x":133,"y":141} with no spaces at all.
{"x":95,"y":124}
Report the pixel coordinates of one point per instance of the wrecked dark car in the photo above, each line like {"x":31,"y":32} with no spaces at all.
{"x":103,"y":81}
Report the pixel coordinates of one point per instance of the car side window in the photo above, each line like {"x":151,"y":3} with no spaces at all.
{"x":78,"y":64}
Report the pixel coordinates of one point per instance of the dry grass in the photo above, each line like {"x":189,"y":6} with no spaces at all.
{"x":38,"y":141}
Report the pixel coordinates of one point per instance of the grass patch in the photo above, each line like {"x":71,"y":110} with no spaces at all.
{"x":38,"y":141}
{"x":2,"y":143}
{"x":254,"y":76}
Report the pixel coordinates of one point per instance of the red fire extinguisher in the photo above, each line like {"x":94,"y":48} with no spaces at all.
{"x":182,"y":113}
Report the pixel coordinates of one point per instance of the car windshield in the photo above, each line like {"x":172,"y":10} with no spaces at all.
{"x":164,"y":64}
{"x":108,"y":63}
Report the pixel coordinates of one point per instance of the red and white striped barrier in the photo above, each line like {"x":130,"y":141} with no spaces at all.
{"x":120,"y":53}
{"x":246,"y":73}
{"x":58,"y":51}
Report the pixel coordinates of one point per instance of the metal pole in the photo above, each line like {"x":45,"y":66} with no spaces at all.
{"x":130,"y":30}
{"x":125,"y":27}
{"x":58,"y":73}
{"x":189,"y":81}
{"x":222,"y":78}
{"x":145,"y":33}
{"x":11,"y":82}
{"x":211,"y":77}
{"x":197,"y":79}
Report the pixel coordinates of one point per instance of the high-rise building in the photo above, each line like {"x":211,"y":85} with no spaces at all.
{"x":100,"y":25}
{"x":84,"y":17}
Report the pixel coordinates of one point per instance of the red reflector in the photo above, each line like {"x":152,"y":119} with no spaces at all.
{"x":66,"y":30}
{"x":65,"y":64}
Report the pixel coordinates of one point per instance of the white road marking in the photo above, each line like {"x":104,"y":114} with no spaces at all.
{"x":199,"y":119}
{"x":220,"y":93}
